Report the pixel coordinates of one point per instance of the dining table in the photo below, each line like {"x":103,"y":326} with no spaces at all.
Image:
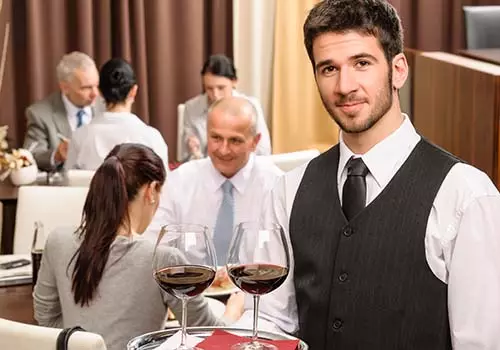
{"x":16,"y":303}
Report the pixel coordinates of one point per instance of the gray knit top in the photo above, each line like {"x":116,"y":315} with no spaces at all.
{"x":128,"y":302}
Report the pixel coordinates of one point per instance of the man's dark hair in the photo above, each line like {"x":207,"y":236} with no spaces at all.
{"x":221,"y":66}
{"x":369,"y":17}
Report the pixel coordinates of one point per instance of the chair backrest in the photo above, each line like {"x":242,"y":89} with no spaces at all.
{"x":54,"y":206}
{"x":180,"y":130}
{"x":79,"y":178}
{"x":482,"y":27}
{"x":22,"y":336}
{"x":289,"y":161}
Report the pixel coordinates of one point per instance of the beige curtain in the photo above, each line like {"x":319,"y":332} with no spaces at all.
{"x":299,"y":120}
{"x":253,"y":42}
{"x":166,"y":41}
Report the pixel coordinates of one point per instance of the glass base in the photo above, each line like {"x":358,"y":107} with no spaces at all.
{"x":187,"y":347}
{"x":254,"y":345}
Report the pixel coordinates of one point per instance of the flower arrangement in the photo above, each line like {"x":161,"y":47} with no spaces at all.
{"x":14,"y":159}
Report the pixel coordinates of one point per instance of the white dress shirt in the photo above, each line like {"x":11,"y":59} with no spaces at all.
{"x":72,"y":110}
{"x":462,"y":241}
{"x":71,"y":114}
{"x":90,"y":144}
{"x":193,"y":193}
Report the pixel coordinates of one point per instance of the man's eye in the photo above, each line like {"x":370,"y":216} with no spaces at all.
{"x":362,"y":64}
{"x":328,"y":70}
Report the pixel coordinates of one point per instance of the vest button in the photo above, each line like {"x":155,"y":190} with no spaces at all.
{"x":343,"y":277}
{"x":337,"y":324}
{"x":348,"y":231}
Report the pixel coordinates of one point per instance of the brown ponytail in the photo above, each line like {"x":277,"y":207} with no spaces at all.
{"x":115,"y":183}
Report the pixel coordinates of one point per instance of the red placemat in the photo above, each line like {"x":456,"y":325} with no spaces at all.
{"x":222,"y":340}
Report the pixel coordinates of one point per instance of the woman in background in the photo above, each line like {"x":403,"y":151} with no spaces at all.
{"x":91,"y":143}
{"x":99,"y":277}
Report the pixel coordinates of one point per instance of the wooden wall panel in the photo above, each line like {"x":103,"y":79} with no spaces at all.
{"x":456,"y":105}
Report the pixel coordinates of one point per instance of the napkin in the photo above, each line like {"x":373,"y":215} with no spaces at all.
{"x":174,"y":341}
{"x":222,"y":340}
{"x":24,"y":271}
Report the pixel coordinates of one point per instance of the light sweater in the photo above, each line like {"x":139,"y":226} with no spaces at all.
{"x":128,"y":302}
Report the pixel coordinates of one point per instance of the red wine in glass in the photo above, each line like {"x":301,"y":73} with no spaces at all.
{"x":185,"y":280}
{"x":184,"y":265}
{"x":258,"y":279}
{"x":258,"y":262}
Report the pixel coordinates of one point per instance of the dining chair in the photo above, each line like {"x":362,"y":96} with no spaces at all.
{"x":292,"y":160}
{"x":180,"y":130}
{"x":22,"y":336}
{"x":54,"y":206}
{"x":482,"y":27}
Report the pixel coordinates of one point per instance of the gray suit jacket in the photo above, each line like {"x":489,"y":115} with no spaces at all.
{"x":195,"y":123}
{"x":45,"y":119}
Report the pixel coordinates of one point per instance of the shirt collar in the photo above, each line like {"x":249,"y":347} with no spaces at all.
{"x":239,"y":180}
{"x":72,"y":110}
{"x":385,"y":156}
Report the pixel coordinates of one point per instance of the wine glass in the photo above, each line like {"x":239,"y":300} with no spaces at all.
{"x":258,"y":262}
{"x":184,"y":265}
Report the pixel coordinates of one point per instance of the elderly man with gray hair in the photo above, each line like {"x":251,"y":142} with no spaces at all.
{"x":51,"y":121}
{"x":228,"y":186}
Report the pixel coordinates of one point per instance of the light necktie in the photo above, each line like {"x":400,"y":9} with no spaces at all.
{"x":223,"y":231}
{"x":354,"y":192}
{"x":79,"y":118}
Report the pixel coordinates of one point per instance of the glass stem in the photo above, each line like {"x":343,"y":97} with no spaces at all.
{"x":183,"y":323}
{"x":256,"y":299}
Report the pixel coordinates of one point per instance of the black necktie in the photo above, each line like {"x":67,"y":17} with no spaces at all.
{"x":354,"y":192}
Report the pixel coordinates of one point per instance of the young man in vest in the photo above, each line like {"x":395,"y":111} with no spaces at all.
{"x":395,"y":241}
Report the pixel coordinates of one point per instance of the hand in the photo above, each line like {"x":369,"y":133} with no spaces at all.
{"x":61,"y":152}
{"x":194,"y":147}
{"x":235,"y":306}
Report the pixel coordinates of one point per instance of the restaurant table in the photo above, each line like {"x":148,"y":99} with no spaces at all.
{"x":486,"y":55}
{"x":16,"y":303}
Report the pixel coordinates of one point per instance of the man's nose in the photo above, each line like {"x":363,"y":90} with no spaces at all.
{"x":346,"y":82}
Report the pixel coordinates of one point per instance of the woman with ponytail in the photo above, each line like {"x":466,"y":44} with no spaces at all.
{"x":99,"y":276}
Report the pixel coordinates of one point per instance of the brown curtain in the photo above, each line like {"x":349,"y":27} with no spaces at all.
{"x":166,"y":41}
{"x":435,"y":25}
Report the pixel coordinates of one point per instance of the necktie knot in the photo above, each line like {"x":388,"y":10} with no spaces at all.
{"x":79,"y":117}
{"x":227,"y":187}
{"x":356,"y":167}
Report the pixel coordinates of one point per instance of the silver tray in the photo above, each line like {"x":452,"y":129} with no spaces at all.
{"x":152,"y":340}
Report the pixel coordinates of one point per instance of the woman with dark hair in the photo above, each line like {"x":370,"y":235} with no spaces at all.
{"x":100,"y":277}
{"x":91,"y":143}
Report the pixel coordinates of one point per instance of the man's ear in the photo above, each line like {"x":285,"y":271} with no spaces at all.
{"x":399,"y":71}
{"x":63,"y":86}
{"x":255,"y":141}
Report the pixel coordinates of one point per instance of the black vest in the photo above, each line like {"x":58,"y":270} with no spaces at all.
{"x":366,"y":284}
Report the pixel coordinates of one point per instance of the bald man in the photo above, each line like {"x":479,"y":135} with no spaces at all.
{"x":231,"y":180}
